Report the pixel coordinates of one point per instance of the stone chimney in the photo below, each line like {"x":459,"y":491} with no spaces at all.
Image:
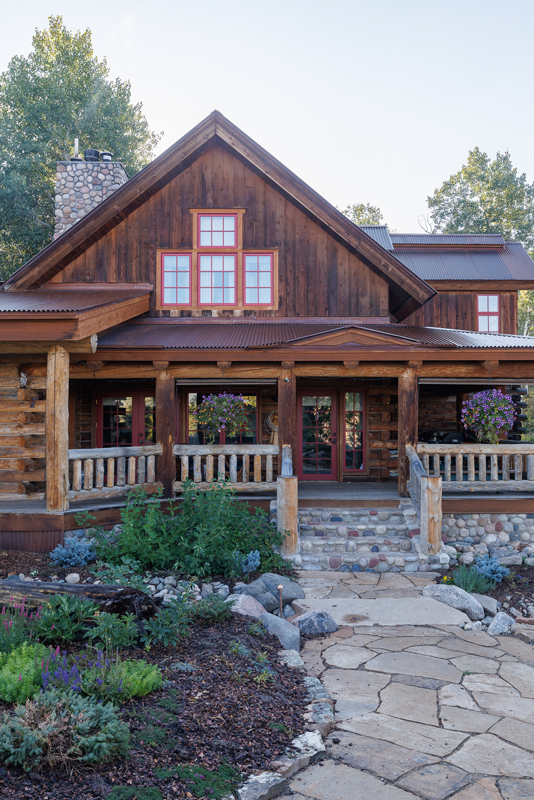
{"x":81,"y":186}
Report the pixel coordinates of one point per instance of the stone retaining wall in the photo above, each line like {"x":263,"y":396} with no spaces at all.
{"x":508,"y":537}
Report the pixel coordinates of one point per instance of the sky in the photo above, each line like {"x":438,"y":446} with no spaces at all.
{"x":375,"y":102}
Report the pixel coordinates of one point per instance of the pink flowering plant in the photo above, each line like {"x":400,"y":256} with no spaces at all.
{"x":488,"y":414}
{"x":222,"y":412}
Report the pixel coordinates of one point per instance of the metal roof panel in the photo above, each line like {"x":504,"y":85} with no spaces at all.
{"x":77,"y":300}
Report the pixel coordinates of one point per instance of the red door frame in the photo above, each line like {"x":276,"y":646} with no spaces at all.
{"x":333,"y":394}
{"x":138,"y":413}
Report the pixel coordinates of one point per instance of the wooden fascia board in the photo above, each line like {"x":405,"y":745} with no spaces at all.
{"x":480,"y":286}
{"x":453,"y":354}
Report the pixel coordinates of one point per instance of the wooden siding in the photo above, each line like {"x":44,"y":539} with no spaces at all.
{"x":318,"y":276}
{"x":459,"y":310}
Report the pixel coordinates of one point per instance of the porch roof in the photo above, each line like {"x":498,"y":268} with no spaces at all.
{"x":248,"y":334}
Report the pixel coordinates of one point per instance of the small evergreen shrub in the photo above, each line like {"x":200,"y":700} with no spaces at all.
{"x":215,"y":784}
{"x":490,"y":568}
{"x":127,"y":573}
{"x":211,"y":610}
{"x":73,"y":554}
{"x":17,"y":625}
{"x":470,"y":580}
{"x":135,"y":793}
{"x":20,"y":672}
{"x":58,"y":729}
{"x":170,"y":625}
{"x":111,"y":631}
{"x":63,"y":618}
{"x":247,"y":564}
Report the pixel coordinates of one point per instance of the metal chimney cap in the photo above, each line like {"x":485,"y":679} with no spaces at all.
{"x":91,"y":155}
{"x":105,"y":155}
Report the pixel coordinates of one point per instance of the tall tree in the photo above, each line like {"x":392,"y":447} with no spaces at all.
{"x":486,"y":196}
{"x":364,"y":214}
{"x":59,"y":92}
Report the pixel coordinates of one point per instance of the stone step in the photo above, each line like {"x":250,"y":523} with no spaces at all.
{"x":374,"y":544}
{"x":372,"y":562}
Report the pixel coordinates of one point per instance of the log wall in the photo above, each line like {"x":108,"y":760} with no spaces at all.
{"x":459,"y":310}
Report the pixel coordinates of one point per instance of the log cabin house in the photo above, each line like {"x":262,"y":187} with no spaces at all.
{"x":216,"y":268}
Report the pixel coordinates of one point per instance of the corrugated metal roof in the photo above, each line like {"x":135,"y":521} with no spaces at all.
{"x":177,"y":335}
{"x":64,"y":301}
{"x":512,"y":263}
{"x":456,"y":239}
{"x":380,"y":234}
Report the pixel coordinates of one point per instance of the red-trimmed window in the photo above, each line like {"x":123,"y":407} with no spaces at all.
{"x":257,"y":279}
{"x":176,"y":279}
{"x":354,"y":445}
{"x":217,"y":230}
{"x":488,"y":313}
{"x":216,"y":280}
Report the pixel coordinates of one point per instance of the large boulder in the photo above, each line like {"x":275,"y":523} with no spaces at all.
{"x":315,"y":622}
{"x":489,"y":604}
{"x":501,"y":624}
{"x":455,"y":597}
{"x":287,"y":634}
{"x":245,"y":605}
{"x":265,"y":590}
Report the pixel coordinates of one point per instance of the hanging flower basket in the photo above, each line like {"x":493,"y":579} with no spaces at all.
{"x":488,"y":414}
{"x":222,"y":412}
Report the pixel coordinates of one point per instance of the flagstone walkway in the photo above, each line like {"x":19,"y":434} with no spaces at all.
{"x":422,"y":711}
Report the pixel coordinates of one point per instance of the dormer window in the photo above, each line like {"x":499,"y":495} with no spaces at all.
{"x":488,"y":313}
{"x":217,"y":230}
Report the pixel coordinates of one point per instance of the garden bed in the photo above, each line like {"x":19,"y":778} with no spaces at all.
{"x":217,"y":713}
{"x":515,"y":591}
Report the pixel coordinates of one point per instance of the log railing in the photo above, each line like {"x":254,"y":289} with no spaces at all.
{"x":470,"y":467}
{"x":247,"y":467}
{"x":425,"y":492}
{"x":110,"y":471}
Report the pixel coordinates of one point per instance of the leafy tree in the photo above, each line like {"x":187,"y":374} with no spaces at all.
{"x":525,"y":312}
{"x":364,"y":214}
{"x":486,"y":196}
{"x":59,"y":92}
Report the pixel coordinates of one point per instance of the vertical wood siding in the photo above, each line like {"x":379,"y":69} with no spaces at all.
{"x":459,"y":310}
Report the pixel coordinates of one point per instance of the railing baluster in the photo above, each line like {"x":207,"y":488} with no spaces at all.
{"x":151,"y":469}
{"x":426,"y":462}
{"x":494,"y":469}
{"x":185,"y":467}
{"x":221,"y":468}
{"x":131,"y":471}
{"x":269,"y":468}
{"x":518,"y":468}
{"x":111,"y":473}
{"x":100,"y":473}
{"x":436,"y":464}
{"x":88,"y":474}
{"x":482,"y":467}
{"x":77,"y":475}
{"x":246,"y":467}
{"x":197,"y":469}
{"x":447,"y":467}
{"x":506,"y":468}
{"x":471,"y":467}
{"x":257,"y":468}
{"x":530,"y":468}
{"x":233,"y":468}
{"x":141,"y":467}
{"x":121,"y":471}
{"x":209,"y":468}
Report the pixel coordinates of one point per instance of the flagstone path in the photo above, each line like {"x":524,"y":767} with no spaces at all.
{"x":422,"y":711}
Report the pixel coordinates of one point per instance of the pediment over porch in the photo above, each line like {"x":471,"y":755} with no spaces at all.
{"x":356,"y":336}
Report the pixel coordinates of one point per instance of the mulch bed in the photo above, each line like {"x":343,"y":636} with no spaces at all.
{"x":213,"y":710}
{"x":515,"y":591}
{"x":15,"y":562}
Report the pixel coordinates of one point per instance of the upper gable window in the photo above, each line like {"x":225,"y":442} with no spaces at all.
{"x":176,"y":283}
{"x":217,"y":230}
{"x":258,"y":278}
{"x":488,"y":313}
{"x":217,"y":280}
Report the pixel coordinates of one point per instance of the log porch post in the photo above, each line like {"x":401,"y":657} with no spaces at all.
{"x":57,"y":429}
{"x":165,"y":430}
{"x":287,"y":413}
{"x":408,"y":417}
{"x":287,"y":503}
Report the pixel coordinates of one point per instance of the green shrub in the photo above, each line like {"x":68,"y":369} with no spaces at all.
{"x":111,"y":631}
{"x":55,"y":730}
{"x":126,"y":573}
{"x":170,"y":625}
{"x":135,"y":793}
{"x":202,"y":782}
{"x":20,"y":672}
{"x":107,"y":677}
{"x":470,"y":580}
{"x":63,"y":618}
{"x":211,"y":610}
{"x":199,"y":536}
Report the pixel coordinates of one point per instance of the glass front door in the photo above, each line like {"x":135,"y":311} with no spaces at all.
{"x":317,"y":436}
{"x":125,"y":419}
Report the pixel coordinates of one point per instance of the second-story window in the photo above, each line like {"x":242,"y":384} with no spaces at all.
{"x":176,"y":283}
{"x":217,"y":279}
{"x":488,"y":313}
{"x":217,"y":230}
{"x":258,"y":278}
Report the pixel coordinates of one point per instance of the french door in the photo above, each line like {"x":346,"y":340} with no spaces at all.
{"x":317,"y":435}
{"x":125,"y":419}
